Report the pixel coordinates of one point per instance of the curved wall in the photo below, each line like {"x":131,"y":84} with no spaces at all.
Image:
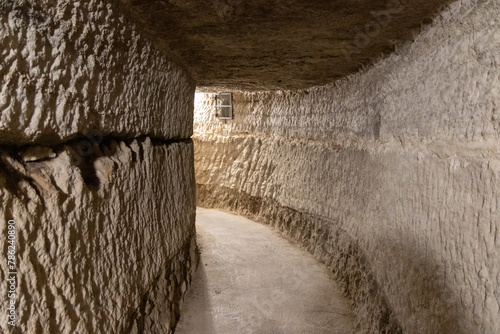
{"x":391,"y":177}
{"x":96,"y":172}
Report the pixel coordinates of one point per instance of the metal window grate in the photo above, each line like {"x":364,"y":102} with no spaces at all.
{"x":224,"y":106}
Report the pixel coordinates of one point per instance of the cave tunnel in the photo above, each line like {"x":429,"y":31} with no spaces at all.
{"x":236,"y":166}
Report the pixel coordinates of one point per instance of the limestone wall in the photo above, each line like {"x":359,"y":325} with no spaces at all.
{"x":391,"y":177}
{"x":70,"y":66}
{"x":96,"y":172}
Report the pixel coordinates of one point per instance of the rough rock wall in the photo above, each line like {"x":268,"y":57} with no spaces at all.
{"x":96,"y":172}
{"x":391,"y":177}
{"x":70,"y":66}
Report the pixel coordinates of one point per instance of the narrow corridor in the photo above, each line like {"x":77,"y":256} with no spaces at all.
{"x":251,"y":280}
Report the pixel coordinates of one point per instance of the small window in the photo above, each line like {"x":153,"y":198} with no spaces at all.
{"x":224,"y":106}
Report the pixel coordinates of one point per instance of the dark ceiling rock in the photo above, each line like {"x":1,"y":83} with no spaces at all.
{"x":280,"y":44}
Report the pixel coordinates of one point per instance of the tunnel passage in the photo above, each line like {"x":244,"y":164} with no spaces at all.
{"x":374,"y":150}
{"x":251,"y":280}
{"x":389,"y":176}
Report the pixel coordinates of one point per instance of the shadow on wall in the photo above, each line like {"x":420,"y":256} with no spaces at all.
{"x":427,"y":280}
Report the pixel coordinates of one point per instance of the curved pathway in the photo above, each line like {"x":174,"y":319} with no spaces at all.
{"x":251,"y":280}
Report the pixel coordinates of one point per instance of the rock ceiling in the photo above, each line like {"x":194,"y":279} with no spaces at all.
{"x":280,"y":44}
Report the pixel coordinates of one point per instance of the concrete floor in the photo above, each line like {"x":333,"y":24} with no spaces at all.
{"x":251,"y":280}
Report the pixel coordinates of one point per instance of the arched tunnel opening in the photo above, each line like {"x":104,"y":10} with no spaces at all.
{"x":234,"y":166}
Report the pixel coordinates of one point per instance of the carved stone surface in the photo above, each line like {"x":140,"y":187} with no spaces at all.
{"x":280,"y":44}
{"x":68,"y":67}
{"x":402,"y":160}
{"x":96,"y":172}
